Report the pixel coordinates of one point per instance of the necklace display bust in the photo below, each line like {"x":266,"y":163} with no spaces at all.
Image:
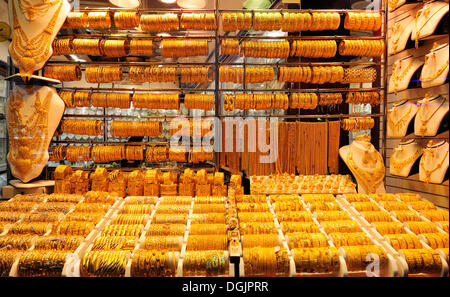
{"x":434,"y":162}
{"x":402,"y":71}
{"x":32,"y":113}
{"x":403,"y":157}
{"x":366,"y":164}
{"x":399,"y":117}
{"x":435,"y":69}
{"x":429,"y":116}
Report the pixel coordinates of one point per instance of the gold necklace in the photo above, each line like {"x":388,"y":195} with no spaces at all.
{"x":27,"y":137}
{"x":426,"y":11}
{"x":427,"y":172}
{"x":401,"y":121}
{"x":33,"y":11}
{"x":439,"y":72}
{"x":398,"y":77}
{"x":396,"y":33}
{"x":27,"y":52}
{"x":423,"y":126}
{"x":371,"y":179}
{"x":398,"y":165}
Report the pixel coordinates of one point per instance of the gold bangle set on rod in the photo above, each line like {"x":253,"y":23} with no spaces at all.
{"x":357,"y":124}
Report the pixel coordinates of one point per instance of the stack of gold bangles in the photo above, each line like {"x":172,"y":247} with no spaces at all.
{"x":163,"y":243}
{"x":63,"y":72}
{"x":230,"y":47}
{"x":177,"y":154}
{"x":314,"y":48}
{"x":365,"y":206}
{"x":292,"y":227}
{"x":156,"y":154}
{"x":422,"y":227}
{"x":376,"y":216}
{"x":350,"y":239}
{"x":57,"y":153}
{"x":316,"y":260}
{"x":165,"y":230}
{"x":136,"y":209}
{"x":366,"y":48}
{"x":152,"y":74}
{"x":65,"y":243}
{"x":404,"y":241}
{"x":134,"y":153}
{"x":198,"y":21}
{"x":135,"y":128}
{"x":363,"y":21}
{"x":306,"y":240}
{"x":332,"y":215}
{"x":208,"y":218}
{"x":76,"y":20}
{"x":294,"y":21}
{"x":15,"y":242}
{"x":202,"y":155}
{"x":257,"y":228}
{"x":89,"y":46}
{"x":195,"y":74}
{"x":330,"y":99}
{"x":151,"y":263}
{"x":422,"y":205}
{"x":82,"y":126}
{"x":184,"y":48}
{"x":394,"y":205}
{"x":114,"y":243}
{"x":357,"y":124}
{"x":385,"y":228}
{"x":103,"y":74}
{"x":436,"y":240}
{"x":39,"y":228}
{"x":357,"y":256}
{"x":75,"y":228}
{"x":265,"y":49}
{"x":406,"y":215}
{"x":422,"y":260}
{"x":39,"y":263}
{"x":266,"y":261}
{"x":356,"y":198}
{"x":115,"y":47}
{"x":294,"y":216}
{"x":67,"y":97}
{"x":344,"y":226}
{"x":76,"y":153}
{"x":156,"y":101}
{"x":267,"y":21}
{"x":112,"y":99}
{"x":123,"y":230}
{"x":207,"y":242}
{"x":206,"y":263}
{"x":104,"y":263}
{"x":316,"y":74}
{"x":303,"y":100}
{"x":104,"y":154}
{"x":205,"y":229}
{"x":62,"y":47}
{"x":372,"y":98}
{"x":199,"y":101}
{"x":435,"y":215}
{"x":159,"y":22}
{"x":233,"y":21}
{"x":99,"y":20}
{"x":256,"y":240}
{"x":126,"y":19}
{"x":141,"y":47}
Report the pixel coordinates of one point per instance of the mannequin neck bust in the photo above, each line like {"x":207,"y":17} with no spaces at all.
{"x":400,"y":33}
{"x":402,"y":71}
{"x":434,"y":162}
{"x":429,"y":115}
{"x":427,"y":18}
{"x":435,"y":69}
{"x":399,"y":117}
{"x":403,"y":157}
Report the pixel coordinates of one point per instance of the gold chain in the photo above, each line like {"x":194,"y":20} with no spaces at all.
{"x":423,"y":127}
{"x":425,"y":10}
{"x":396,"y":77}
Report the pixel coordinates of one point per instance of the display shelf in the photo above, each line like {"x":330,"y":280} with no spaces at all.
{"x":306,"y":37}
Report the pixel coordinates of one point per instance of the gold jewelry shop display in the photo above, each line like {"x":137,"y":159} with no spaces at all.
{"x":434,"y":162}
{"x":30,"y":128}
{"x":399,"y":117}
{"x":35,"y":26}
{"x":403,"y":157}
{"x":430,"y":115}
{"x":366,"y":163}
{"x":428,"y":18}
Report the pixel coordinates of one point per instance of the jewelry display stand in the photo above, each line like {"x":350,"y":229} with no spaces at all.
{"x":31,"y":110}
{"x":403,"y":157}
{"x":402,"y":71}
{"x":429,"y":116}
{"x":400,"y":34}
{"x":435,"y":69}
{"x":399,"y":118}
{"x":34,"y":31}
{"x":428,"y":18}
{"x":366,"y":164}
{"x":434,"y":162}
